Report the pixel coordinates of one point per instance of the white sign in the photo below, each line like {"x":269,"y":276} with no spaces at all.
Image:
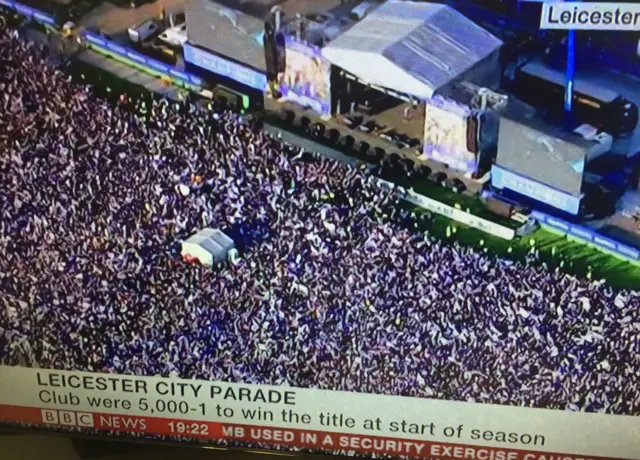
{"x":310,"y":418}
{"x":458,"y":215}
{"x":590,"y":16}
{"x":449,"y":211}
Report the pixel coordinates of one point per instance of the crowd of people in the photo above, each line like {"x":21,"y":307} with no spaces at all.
{"x":330,"y":291}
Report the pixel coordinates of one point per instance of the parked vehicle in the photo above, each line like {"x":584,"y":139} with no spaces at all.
{"x":144,"y":31}
{"x":601,"y":107}
{"x":175,"y":37}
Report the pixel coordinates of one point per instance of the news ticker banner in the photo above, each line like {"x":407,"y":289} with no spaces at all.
{"x":590,"y":16}
{"x":309,"y":418}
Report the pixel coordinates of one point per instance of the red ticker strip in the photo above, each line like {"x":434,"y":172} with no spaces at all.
{"x":271,"y":435}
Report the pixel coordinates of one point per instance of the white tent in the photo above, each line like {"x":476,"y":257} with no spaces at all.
{"x":208,"y":246}
{"x":412,"y":47}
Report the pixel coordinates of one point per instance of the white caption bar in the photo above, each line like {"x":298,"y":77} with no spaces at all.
{"x":590,"y":16}
{"x":542,"y":430}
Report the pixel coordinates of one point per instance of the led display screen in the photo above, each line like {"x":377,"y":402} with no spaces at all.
{"x":306,"y":78}
{"x":445,"y":134}
{"x":554,"y":160}
{"x":227,"y":31}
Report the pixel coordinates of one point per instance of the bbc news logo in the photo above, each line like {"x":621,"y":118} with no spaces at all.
{"x":67,"y":418}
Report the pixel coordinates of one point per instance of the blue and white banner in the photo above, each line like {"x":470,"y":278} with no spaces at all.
{"x":588,"y":236}
{"x":224,"y":67}
{"x":503,"y":178}
{"x":29,"y":12}
{"x":141,"y":59}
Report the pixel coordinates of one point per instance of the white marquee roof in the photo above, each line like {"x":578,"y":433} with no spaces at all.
{"x":411,"y":47}
{"x":208,"y":246}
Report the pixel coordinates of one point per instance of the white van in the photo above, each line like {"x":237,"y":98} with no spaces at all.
{"x":144,"y":30}
{"x":175,"y":36}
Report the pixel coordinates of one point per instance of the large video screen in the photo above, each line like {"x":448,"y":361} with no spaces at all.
{"x":227,"y":31}
{"x":171,"y":270}
{"x":445,"y":134}
{"x":532,"y":151}
{"x":306,"y":78}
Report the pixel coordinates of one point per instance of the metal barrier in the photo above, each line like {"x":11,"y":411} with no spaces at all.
{"x":588,"y":236}
{"x":451,"y":212}
{"x":31,"y":13}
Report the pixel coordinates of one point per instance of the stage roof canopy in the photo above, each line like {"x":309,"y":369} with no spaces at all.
{"x":414,"y":48}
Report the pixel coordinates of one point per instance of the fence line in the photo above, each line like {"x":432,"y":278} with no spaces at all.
{"x":588,"y":236}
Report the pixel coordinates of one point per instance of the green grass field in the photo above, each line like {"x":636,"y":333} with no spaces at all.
{"x":568,"y":256}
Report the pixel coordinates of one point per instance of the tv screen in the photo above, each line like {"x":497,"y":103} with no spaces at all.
{"x":192,"y":252}
{"x":554,"y":158}
{"x":231,"y":32}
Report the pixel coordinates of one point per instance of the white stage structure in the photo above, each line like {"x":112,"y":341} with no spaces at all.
{"x":416,"y":48}
{"x":209,"y":246}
